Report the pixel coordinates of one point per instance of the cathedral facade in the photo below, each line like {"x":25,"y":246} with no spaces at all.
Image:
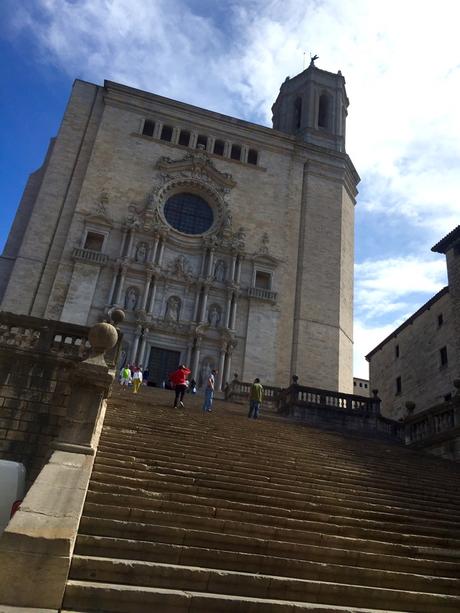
{"x":228,"y":244}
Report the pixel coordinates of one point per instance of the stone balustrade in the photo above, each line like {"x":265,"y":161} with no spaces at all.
{"x":262,"y":294}
{"x":49,"y":336}
{"x":433,"y":426}
{"x":89,"y":256}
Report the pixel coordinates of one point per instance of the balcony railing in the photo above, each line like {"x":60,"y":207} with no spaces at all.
{"x":262,"y":294}
{"x":89,"y":256}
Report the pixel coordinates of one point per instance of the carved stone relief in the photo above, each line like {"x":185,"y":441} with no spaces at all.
{"x":141,"y":252}
{"x":214,"y":315}
{"x":131,"y":298}
{"x":173,"y":306}
{"x":220,"y":269}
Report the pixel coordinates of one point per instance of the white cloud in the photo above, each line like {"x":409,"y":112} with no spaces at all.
{"x":396,"y":285}
{"x":365,"y":339}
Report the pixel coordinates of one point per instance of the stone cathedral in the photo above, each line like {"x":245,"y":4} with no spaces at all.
{"x":228,"y":244}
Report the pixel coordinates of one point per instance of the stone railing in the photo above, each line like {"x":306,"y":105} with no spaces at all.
{"x":434,"y":426}
{"x":262,"y":294}
{"x":49,"y":336}
{"x":239,"y":390}
{"x":89,"y":256}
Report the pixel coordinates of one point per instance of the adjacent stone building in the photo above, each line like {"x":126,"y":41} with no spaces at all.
{"x":228,"y":244}
{"x":419,"y":361}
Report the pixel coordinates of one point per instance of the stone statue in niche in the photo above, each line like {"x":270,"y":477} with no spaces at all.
{"x":181,"y":266}
{"x":131,"y":298}
{"x":172,"y":309}
{"x":141,"y":252}
{"x":219,"y":271}
{"x":214,"y":316}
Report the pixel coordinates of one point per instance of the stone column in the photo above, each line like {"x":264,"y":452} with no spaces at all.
{"x":112,"y":287}
{"x":175,"y":136}
{"x":162,"y":249}
{"x":197,"y":304}
{"x":193,"y":139}
{"x":238,"y":269}
{"x":132,"y":233}
{"x":204,"y":304}
{"x":188,"y":356}
{"x":152,"y":296}
{"x":154,"y":250}
{"x":146,"y":290}
{"x":227,"y":149}
{"x":196,"y":360}
{"x":233,"y":317}
{"x":120,"y":285}
{"x":123,"y":241}
{"x":232,"y":269}
{"x":228,"y":365}
{"x":228,"y":307}
{"x":210,"y":262}
{"x":137,"y":336}
{"x":244,"y":153}
{"x":158,"y":129}
{"x":220,"y":368}
{"x":210,"y":144}
{"x":142,"y":349}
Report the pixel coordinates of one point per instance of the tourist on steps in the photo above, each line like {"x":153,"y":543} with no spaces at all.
{"x":125,"y":376}
{"x":179,"y":380}
{"x":255,"y":398}
{"x":209,"y":391}
{"x":137,"y":379}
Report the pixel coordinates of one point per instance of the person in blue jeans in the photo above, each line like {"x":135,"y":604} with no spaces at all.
{"x":255,"y":399}
{"x":209,"y":391}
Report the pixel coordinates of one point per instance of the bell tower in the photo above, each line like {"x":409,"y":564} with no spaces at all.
{"x":313,"y":106}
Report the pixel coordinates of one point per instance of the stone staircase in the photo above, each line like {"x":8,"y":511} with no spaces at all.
{"x":200,"y":513}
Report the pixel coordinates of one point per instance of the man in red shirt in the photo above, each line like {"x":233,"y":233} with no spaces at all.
{"x":179,"y":379}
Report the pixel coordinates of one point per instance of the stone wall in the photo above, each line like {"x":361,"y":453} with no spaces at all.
{"x":38,"y":360}
{"x":412,"y":353}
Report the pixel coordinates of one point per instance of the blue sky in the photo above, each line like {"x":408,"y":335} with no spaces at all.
{"x":401,"y":61}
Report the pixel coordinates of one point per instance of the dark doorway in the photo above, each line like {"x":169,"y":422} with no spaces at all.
{"x":161,"y":363}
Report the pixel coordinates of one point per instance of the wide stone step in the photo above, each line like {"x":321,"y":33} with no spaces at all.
{"x":245,"y":536}
{"x":212,"y":506}
{"x":369,"y":483}
{"x":235,"y":477}
{"x":308,"y":459}
{"x":89,"y":596}
{"x":259,"y":524}
{"x":244,"y":492}
{"x":251,"y":563}
{"x":200,"y":579}
{"x":376,"y":481}
{"x":286,"y":507}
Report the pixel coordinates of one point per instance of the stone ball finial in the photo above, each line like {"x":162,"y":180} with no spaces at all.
{"x":102,"y":336}
{"x":117,"y":316}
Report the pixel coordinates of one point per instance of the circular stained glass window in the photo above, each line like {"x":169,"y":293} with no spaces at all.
{"x":188,"y":213}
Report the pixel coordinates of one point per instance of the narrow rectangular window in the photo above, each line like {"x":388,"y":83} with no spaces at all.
{"x":149,"y":127}
{"x":397,"y":351}
{"x":201,"y":140}
{"x":166,"y":133}
{"x":252,"y":157}
{"x":184,"y":138}
{"x":263,"y":280}
{"x":440,"y":320}
{"x":219,"y":147}
{"x":447,"y":397}
{"x":398,"y":385}
{"x":235,"y":153}
{"x":94,"y":241}
{"x":443,"y":356}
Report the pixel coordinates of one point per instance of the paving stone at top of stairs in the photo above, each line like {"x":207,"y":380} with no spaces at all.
{"x":202,"y":513}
